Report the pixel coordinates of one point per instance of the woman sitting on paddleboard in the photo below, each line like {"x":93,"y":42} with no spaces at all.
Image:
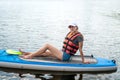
{"x":73,"y":41}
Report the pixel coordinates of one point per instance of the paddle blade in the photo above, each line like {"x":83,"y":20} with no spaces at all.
{"x":9,"y":51}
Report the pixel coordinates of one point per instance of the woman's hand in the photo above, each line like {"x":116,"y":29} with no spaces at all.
{"x":86,"y":62}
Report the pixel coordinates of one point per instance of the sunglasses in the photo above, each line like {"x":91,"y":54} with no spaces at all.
{"x":71,"y":26}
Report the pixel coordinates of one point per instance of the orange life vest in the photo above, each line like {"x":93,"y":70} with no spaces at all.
{"x":68,"y":45}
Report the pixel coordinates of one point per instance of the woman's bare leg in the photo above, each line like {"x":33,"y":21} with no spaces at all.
{"x":46,"y":54}
{"x":52,"y":51}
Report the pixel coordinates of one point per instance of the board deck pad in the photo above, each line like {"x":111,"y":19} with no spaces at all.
{"x":74,"y":59}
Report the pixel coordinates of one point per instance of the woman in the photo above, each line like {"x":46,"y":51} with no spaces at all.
{"x":73,"y":41}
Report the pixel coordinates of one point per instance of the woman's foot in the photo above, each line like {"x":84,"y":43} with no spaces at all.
{"x":24,"y":53}
{"x":27,"y":56}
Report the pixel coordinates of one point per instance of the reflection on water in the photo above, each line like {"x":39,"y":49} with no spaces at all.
{"x":28,"y":24}
{"x":57,"y":77}
{"x":32,"y":74}
{"x":38,"y":75}
{"x":18,"y":74}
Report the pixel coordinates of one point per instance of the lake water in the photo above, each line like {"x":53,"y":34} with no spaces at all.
{"x":29,"y":24}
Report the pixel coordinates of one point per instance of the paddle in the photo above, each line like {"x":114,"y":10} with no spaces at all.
{"x":10,"y":51}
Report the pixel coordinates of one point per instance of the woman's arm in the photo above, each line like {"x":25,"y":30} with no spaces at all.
{"x":81,"y":52}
